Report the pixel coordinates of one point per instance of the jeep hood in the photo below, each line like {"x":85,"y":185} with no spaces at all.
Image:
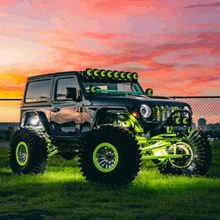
{"x":132,"y":100}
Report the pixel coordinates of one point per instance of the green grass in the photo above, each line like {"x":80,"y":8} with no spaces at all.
{"x":63,"y":193}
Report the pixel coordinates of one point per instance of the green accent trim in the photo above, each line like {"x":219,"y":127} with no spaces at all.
{"x":51,"y":149}
{"x":190,"y":130}
{"x":180,"y":157}
{"x":53,"y":153}
{"x":187,"y":151}
{"x":133,"y":122}
{"x":169,"y":129}
{"x":22,"y":153}
{"x":105,"y":157}
{"x":162,"y":157}
{"x":142,"y":140}
{"x":115,"y":91}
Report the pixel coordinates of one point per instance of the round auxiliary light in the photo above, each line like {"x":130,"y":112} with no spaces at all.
{"x":96,"y":73}
{"x":109,"y":74}
{"x":178,"y":121}
{"x":88,"y":72}
{"x":122,"y":75}
{"x":135,"y":76}
{"x":149,"y":92}
{"x":116,"y":74}
{"x":93,"y":89}
{"x":34,"y":121}
{"x":185,"y":121}
{"x":145,"y":111}
{"x":103,"y":73}
{"x":128,"y":75}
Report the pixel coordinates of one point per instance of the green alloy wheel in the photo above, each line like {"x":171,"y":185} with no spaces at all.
{"x":197,"y":157}
{"x":28,"y":151}
{"x":110,"y":155}
{"x":22,"y":153}
{"x":105,"y":157}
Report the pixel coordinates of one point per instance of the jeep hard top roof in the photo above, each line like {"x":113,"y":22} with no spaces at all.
{"x":42,"y":76}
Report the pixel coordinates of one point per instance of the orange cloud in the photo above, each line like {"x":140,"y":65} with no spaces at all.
{"x":12,"y":82}
{"x":125,"y":4}
{"x":8,"y":31}
{"x":5,"y":4}
{"x":104,"y":36}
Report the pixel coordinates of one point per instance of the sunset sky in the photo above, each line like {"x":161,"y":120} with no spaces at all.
{"x":173,"y":45}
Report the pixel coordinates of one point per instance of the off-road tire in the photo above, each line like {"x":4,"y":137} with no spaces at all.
{"x":127,"y":164}
{"x":201,"y":161}
{"x":33,"y":144}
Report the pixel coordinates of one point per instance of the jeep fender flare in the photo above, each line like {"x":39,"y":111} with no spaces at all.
{"x":102,"y":114}
{"x":40,"y":116}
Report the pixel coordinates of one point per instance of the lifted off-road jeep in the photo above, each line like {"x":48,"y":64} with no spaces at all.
{"x":106,"y":119}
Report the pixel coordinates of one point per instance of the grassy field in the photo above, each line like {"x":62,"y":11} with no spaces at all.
{"x":63,"y":193}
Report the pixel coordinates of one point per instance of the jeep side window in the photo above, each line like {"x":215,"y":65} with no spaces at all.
{"x":62,"y":84}
{"x":38,"y":91}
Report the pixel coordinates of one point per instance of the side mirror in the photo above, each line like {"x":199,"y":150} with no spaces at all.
{"x":72,"y":93}
{"x":149,"y":92}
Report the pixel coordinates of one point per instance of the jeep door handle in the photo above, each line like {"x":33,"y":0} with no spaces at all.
{"x":55,"y":110}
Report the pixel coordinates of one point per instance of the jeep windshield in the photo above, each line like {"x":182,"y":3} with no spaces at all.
{"x":119,"y":88}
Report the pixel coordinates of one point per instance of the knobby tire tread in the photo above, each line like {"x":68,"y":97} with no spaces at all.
{"x":129,"y":155}
{"x":37,"y":146}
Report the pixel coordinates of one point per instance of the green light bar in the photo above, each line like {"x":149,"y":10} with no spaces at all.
{"x":96,"y":73}
{"x":135,"y":76}
{"x":128,"y":74}
{"x":116,"y":74}
{"x":109,"y":74}
{"x":88,"y":72}
{"x":100,"y":75}
{"x":122,"y":75}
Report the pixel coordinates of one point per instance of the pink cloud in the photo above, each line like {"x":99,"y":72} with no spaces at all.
{"x":104,"y":36}
{"x":209,"y":36}
{"x":217,"y":4}
{"x":124,"y":4}
{"x":6,"y":5}
{"x":174,"y":47}
{"x":8,"y":31}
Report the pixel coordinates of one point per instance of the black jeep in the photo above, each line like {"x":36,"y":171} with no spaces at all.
{"x":106,"y":119}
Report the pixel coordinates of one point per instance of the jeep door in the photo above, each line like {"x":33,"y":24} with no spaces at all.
{"x":65,"y":113}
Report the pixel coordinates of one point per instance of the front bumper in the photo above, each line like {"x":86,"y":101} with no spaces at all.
{"x":179,"y":120}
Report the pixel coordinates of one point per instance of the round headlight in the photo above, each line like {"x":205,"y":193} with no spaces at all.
{"x":187,"y":109}
{"x":145,"y":111}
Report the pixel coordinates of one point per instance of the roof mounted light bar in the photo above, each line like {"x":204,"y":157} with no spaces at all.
{"x":109,"y":75}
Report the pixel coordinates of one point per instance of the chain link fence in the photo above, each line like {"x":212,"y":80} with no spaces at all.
{"x":9,"y":119}
{"x":206,"y":116}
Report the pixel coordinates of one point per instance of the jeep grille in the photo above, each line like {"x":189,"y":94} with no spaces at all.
{"x":161,"y":113}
